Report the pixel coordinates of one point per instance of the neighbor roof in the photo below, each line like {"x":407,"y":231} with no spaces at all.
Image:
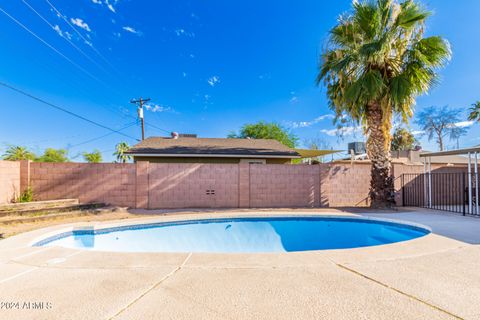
{"x":226,"y":147}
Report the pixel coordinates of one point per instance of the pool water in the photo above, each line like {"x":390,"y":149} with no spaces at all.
{"x":284,"y":234}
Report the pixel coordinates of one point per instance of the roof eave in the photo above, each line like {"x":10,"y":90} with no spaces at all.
{"x":203,"y":155}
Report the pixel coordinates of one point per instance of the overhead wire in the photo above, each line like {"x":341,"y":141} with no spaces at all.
{"x":65,"y":57}
{"x":87,"y":41}
{"x":64,"y":37}
{"x":100,"y":137}
{"x":65,"y":110}
{"x":50,"y":46}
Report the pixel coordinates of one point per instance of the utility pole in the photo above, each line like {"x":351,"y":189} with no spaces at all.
{"x":140,"y":103}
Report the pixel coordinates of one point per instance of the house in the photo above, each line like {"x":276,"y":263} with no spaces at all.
{"x":190,"y":149}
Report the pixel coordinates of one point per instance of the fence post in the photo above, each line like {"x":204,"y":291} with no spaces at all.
{"x":244,"y":185}
{"x":24,"y":175}
{"x":463,"y":193}
{"x":403,"y":190}
{"x":141,"y":184}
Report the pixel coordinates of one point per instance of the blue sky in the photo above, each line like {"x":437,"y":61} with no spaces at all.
{"x":208,"y":66}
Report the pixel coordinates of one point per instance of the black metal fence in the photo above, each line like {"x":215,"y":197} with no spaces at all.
{"x":452,"y":191}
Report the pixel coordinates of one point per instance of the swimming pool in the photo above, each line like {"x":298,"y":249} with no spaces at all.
{"x":265,"y":234}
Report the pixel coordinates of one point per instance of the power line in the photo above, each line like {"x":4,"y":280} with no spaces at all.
{"x":64,"y":110}
{"x":50,"y":46}
{"x":66,"y":38}
{"x":66,"y":58}
{"x":80,"y":35}
{"x":100,"y":137}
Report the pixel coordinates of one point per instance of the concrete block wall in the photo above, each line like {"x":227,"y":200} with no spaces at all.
{"x":88,"y":182}
{"x":189,"y":185}
{"x":345,"y":184}
{"x":193,"y":185}
{"x":284,"y":186}
{"x":9,"y":181}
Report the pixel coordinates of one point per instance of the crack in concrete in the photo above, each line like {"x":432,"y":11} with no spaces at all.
{"x":398,"y":291}
{"x":158,"y":283}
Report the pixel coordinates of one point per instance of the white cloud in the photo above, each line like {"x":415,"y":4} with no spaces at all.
{"x":80,"y":23}
{"x":305,"y":124}
{"x":64,"y":34}
{"x":343,"y":131}
{"x":107,"y":3}
{"x":110,"y":6}
{"x":293,"y":99}
{"x":417,"y":132}
{"x":464,"y":124}
{"x":131,"y":30}
{"x":212,"y":81}
{"x":183,"y":32}
{"x":158,"y":108}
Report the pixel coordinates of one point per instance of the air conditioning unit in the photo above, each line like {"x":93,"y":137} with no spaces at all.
{"x":357,"y":147}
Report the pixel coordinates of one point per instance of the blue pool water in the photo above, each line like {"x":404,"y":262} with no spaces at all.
{"x":284,"y":234}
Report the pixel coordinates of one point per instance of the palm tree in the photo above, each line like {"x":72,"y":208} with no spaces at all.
{"x":16,"y":153}
{"x":475,"y":112}
{"x":120,"y":150}
{"x":375,"y":64}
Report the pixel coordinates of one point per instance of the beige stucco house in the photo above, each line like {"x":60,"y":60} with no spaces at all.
{"x":178,"y":149}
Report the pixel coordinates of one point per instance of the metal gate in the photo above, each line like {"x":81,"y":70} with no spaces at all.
{"x":453,"y":191}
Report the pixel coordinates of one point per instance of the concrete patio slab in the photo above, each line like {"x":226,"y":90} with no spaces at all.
{"x":448,"y":279}
{"x":432,"y":277}
{"x":321,"y":292}
{"x":77,"y":293}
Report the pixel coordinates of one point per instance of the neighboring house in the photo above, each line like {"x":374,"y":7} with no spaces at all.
{"x":180,"y":149}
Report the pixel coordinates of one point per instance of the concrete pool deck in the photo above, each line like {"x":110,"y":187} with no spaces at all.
{"x":433,"y":277}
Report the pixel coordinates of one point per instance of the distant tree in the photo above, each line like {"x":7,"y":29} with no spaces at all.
{"x":266,"y":130}
{"x":440,"y":123}
{"x":93,"y":157}
{"x":53,"y":155}
{"x":317,"y":143}
{"x":16,"y":153}
{"x":403,"y":140}
{"x":475,"y":112}
{"x":120,"y":150}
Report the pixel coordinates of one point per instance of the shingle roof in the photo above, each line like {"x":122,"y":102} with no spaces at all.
{"x":212,"y":146}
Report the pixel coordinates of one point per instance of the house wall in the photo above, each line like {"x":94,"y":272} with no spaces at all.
{"x":9,"y":181}
{"x":203,"y":160}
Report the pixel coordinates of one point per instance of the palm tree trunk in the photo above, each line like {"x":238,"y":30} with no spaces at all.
{"x":378,"y":150}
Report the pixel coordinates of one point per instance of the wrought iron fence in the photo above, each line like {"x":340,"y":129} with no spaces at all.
{"x":453,"y":191}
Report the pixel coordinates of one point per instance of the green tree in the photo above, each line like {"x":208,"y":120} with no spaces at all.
{"x":403,"y":140}
{"x":120,"y":150}
{"x":53,"y":155}
{"x":375,"y":64}
{"x":93,"y":157}
{"x":475,"y":112}
{"x":16,"y":153}
{"x":440,"y":123}
{"x":266,"y":130}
